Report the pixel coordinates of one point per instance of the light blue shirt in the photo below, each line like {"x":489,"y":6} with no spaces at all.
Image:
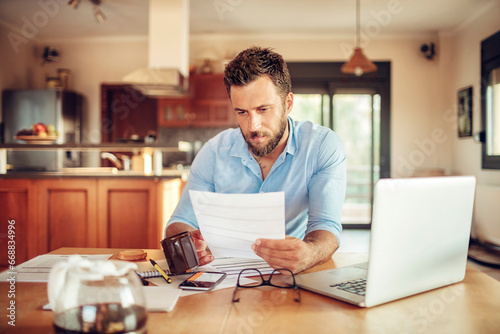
{"x":310,"y":171}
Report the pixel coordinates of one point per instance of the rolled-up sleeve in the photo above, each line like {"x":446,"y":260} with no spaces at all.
{"x":327,"y":187}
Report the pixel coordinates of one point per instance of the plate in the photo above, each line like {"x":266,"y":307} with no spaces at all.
{"x":37,"y":139}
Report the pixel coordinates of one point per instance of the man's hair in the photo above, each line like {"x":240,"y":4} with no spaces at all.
{"x":255,"y":62}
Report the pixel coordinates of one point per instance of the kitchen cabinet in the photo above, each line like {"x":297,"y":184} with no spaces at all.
{"x":213,"y":113}
{"x":210,"y":102}
{"x":17,"y":208}
{"x":128,"y":215}
{"x":207,"y":105}
{"x":67,"y":213}
{"x":50,"y":213}
{"x":174,"y":112}
{"x":208,"y":86}
{"x":126,"y":112}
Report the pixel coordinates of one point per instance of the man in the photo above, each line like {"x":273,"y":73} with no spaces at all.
{"x":270,"y":152}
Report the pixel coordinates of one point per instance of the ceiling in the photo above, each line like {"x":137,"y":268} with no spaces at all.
{"x":57,"y":20}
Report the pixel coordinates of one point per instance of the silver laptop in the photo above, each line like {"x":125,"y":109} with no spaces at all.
{"x":419,"y":241}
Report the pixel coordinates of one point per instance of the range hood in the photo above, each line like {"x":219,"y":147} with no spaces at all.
{"x":168,"y":57}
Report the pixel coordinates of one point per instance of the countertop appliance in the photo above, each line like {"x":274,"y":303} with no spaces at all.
{"x":23,"y":108}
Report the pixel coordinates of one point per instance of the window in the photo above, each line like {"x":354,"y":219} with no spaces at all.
{"x":358,"y":110}
{"x":493,"y":113}
{"x":490,"y":101}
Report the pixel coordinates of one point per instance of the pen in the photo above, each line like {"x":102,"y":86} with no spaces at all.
{"x":164,"y":274}
{"x":144,"y":282}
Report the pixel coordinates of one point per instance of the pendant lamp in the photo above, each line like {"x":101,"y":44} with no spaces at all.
{"x":359,"y":63}
{"x":98,"y":14}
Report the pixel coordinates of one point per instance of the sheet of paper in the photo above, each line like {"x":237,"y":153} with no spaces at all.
{"x":230,"y":223}
{"x":233,"y":266}
{"x":158,"y":299}
{"x":161,"y":299}
{"x":38,"y":268}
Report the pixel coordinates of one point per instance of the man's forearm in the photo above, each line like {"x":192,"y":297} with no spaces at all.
{"x":323,"y":244}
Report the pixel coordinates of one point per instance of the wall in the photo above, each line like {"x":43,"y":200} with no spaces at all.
{"x":16,"y":65}
{"x":460,"y":67}
{"x":93,"y":62}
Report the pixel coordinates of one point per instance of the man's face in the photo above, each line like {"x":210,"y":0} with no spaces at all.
{"x":261,"y":114}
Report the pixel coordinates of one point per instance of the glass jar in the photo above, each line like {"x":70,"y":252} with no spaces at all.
{"x":97,"y":297}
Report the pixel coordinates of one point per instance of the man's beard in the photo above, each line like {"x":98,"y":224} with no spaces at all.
{"x":265,"y":150}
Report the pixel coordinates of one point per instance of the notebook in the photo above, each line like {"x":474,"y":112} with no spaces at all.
{"x":146,"y":270}
{"x":419,"y":241}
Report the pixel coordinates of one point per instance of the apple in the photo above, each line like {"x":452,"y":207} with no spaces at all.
{"x":39,"y":127}
{"x":51,"y":130}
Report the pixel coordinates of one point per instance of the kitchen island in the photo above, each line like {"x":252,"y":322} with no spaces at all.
{"x":50,"y":212}
{"x":86,"y":207}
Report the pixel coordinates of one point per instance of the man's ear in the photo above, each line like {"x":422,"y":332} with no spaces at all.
{"x":289,"y":102}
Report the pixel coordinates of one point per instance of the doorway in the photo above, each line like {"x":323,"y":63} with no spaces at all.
{"x":354,"y":114}
{"x":358,"y":109}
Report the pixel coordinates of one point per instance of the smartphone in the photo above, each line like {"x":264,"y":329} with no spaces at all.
{"x":202,"y":280}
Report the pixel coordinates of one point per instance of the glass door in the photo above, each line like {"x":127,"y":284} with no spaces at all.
{"x":354,"y":114}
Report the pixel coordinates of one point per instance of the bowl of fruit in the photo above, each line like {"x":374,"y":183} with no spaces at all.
{"x":38,"y":134}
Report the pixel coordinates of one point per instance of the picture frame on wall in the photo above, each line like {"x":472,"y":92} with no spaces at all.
{"x":465,"y":112}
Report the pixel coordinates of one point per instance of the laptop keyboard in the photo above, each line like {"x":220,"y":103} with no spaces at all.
{"x":357,"y":286}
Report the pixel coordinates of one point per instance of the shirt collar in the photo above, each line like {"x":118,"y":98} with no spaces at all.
{"x":291,"y":145}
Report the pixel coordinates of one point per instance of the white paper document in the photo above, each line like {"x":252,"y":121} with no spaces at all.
{"x":158,"y":299}
{"x":230,"y":223}
{"x":38,"y":268}
{"x":233,"y":266}
{"x":161,"y":299}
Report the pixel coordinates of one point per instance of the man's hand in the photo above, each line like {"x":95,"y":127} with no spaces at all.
{"x":201,"y":246}
{"x":199,"y":242}
{"x":295,"y":254}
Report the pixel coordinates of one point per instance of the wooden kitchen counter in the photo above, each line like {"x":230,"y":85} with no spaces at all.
{"x":166,"y":174}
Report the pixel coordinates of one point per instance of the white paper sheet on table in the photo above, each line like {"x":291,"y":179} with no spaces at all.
{"x":38,"y":268}
{"x":230,"y":223}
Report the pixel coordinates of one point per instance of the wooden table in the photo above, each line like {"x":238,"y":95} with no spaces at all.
{"x":472,"y":306}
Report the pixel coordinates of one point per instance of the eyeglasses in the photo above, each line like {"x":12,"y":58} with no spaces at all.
{"x":272,"y":281}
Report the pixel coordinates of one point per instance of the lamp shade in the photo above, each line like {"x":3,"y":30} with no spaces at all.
{"x":358,"y":64}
